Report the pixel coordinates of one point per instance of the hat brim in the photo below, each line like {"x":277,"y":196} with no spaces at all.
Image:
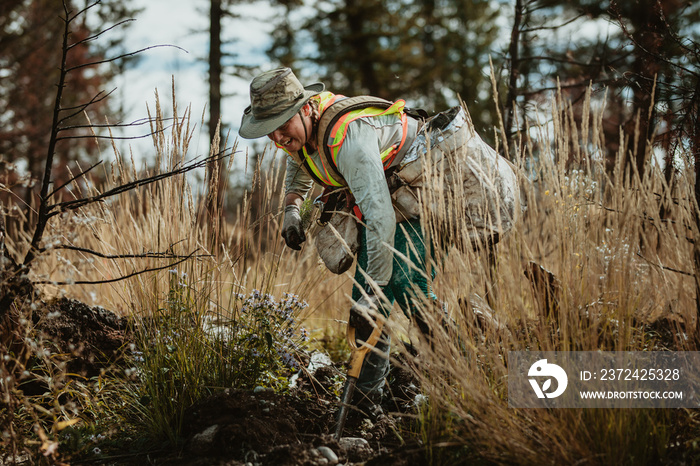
{"x":253,"y":129}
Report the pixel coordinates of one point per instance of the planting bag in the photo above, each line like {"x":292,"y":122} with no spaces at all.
{"x":337,"y":241}
{"x":456,"y":182}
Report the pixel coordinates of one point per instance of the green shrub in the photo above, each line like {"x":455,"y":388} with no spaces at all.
{"x":184,"y":352}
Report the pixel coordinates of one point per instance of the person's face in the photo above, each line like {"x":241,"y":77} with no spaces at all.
{"x":291,"y":135}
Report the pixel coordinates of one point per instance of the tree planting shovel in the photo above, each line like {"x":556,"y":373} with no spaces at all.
{"x":357,"y":357}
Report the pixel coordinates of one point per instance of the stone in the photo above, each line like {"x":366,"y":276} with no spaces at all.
{"x":204,"y":441}
{"x":328,"y":454}
{"x":355,"y":448}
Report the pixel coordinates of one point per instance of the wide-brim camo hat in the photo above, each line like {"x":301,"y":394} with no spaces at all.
{"x":275,"y":97}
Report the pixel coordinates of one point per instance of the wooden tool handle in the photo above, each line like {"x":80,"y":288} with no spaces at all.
{"x":359,"y":353}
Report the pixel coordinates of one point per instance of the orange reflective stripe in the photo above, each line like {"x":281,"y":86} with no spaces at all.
{"x":339,"y":131}
{"x":325,"y":99}
{"x":389,"y":154}
{"x":328,"y":179}
{"x":341,"y":125}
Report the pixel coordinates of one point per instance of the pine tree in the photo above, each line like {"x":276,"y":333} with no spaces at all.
{"x":635,"y":57}
{"x":429,"y":52}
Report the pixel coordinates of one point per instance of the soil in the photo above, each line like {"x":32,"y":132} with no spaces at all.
{"x":254,"y":427}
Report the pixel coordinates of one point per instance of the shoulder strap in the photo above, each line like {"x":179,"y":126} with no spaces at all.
{"x":330,"y":117}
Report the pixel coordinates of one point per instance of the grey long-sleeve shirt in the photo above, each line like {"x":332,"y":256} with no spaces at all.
{"x":360,"y":164}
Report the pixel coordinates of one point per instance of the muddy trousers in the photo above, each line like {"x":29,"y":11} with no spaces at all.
{"x":405,"y":281}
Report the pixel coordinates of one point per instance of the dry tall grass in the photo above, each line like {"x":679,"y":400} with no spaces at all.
{"x":620,"y":269}
{"x":166,"y":217}
{"x":616,"y":260}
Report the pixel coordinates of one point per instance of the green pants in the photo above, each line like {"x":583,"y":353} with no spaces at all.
{"x":405,"y":281}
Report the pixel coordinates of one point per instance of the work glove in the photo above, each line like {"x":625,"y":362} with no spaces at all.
{"x":292,"y":231}
{"x":363,"y":316}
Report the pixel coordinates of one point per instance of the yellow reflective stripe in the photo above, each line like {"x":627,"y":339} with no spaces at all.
{"x":328,"y":179}
{"x":340,"y":129}
{"x":325,"y":99}
{"x":388,"y":152}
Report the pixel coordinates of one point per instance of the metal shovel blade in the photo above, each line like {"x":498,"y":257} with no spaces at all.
{"x":345,"y":406}
{"x":357,"y":357}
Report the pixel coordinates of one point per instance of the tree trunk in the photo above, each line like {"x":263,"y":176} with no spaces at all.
{"x":514,"y":71}
{"x":695,"y":147}
{"x":214,"y":169}
{"x":214,"y":67}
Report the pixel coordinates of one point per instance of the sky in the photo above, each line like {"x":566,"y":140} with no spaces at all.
{"x":182,"y":25}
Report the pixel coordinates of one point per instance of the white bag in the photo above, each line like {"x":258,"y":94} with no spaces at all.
{"x":337,"y":242}
{"x":465,"y":188}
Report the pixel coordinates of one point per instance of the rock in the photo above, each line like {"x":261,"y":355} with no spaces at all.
{"x":328,"y":454}
{"x":317,"y":361}
{"x":355,"y":448}
{"x":203,"y":442}
{"x":347,"y":443}
{"x":260,"y":389}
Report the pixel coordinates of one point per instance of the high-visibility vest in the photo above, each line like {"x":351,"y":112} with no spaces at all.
{"x":337,"y":112}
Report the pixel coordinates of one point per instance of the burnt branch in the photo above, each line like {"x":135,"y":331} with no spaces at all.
{"x":664,"y":267}
{"x":99,"y":97}
{"x":644,"y":217}
{"x":96,"y":36}
{"x":82,"y":173}
{"x":145,"y":255}
{"x":46,"y":209}
{"x":46,"y":179}
{"x":118,"y":279}
{"x":70,"y":19}
{"x":124,"y":55}
{"x":554,"y":27}
{"x":141,"y":122}
{"x":77,"y":203}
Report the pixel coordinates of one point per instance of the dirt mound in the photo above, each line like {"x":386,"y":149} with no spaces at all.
{"x":266,"y":428}
{"x":246,"y":423}
{"x":94,"y":336}
{"x":259,"y":427}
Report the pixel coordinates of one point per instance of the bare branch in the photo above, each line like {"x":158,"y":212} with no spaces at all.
{"x":119,"y":57}
{"x":93,"y":37}
{"x":77,"y":203}
{"x":145,"y":255}
{"x":656,"y":56}
{"x":118,"y":279}
{"x":81,"y":108}
{"x":548,"y":28}
{"x":646,"y":218}
{"x":140,"y":122}
{"x":48,"y":166}
{"x":72,"y":18}
{"x":116,"y":138}
{"x":73,"y":179}
{"x":568,"y":86}
{"x":664,"y":267}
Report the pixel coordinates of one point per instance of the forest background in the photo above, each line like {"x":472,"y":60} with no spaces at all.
{"x":596,"y":102}
{"x":640,"y":57}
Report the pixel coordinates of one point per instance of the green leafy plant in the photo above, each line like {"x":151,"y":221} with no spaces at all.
{"x":185,"y":353}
